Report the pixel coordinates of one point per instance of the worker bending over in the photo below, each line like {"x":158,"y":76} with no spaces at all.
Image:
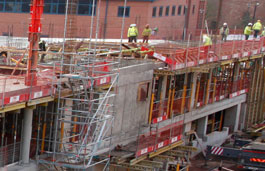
{"x":257,"y":28}
{"x":248,"y":30}
{"x":224,"y":31}
{"x":42,"y":47}
{"x":132,"y":33}
{"x":146,"y":33}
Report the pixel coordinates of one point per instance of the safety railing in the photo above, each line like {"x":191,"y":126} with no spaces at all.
{"x":9,"y":154}
{"x":159,"y":138}
{"x":194,"y":56}
{"x":13,"y":89}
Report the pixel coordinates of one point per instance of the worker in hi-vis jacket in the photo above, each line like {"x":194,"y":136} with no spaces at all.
{"x":248,"y":31}
{"x":132,"y":33}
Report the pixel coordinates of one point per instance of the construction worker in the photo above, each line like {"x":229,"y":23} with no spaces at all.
{"x":257,"y":28}
{"x":132,"y":33}
{"x":248,"y":30}
{"x":207,"y":41}
{"x":3,"y":57}
{"x":146,"y":33}
{"x":42,"y":47}
{"x":224,"y":31}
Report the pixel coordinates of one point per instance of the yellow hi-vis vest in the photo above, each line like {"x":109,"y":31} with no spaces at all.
{"x":257,"y":26}
{"x":247,"y":30}
{"x":208,"y":41}
{"x":132,"y":31}
{"x":224,"y":31}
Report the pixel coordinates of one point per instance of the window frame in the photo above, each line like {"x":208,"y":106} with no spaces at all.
{"x":122,"y":9}
{"x":193,"y":9}
{"x":154,"y":11}
{"x":167,"y":11}
{"x":179,"y":9}
{"x":173,"y":10}
{"x":160,"y":13}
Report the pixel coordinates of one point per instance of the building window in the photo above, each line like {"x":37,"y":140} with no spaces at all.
{"x":121,"y":11}
{"x":160,"y":11}
{"x":14,"y":6}
{"x":184,"y":10}
{"x":179,"y":10}
{"x":173,"y":12}
{"x":85,"y":7}
{"x":167,"y":11}
{"x":154,"y":12}
{"x":142,"y":94}
{"x":193,"y":9}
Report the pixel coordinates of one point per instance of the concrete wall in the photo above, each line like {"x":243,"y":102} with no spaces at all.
{"x":216,"y":138}
{"x":132,"y":113}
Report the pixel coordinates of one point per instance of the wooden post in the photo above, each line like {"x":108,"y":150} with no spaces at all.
{"x":184,"y":94}
{"x":197,"y":91}
{"x":169,"y":96}
{"x":208,"y":87}
{"x":152,"y":102}
{"x":214,"y":89}
{"x":221,"y":120}
{"x":177,"y":168}
{"x":172,"y":98}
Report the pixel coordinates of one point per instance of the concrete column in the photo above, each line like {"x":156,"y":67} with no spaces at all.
{"x":231,"y":118}
{"x":187,"y":127}
{"x":242,"y":117}
{"x":202,"y":126}
{"x":193,"y":90}
{"x":26,"y":135}
{"x":164,"y":87}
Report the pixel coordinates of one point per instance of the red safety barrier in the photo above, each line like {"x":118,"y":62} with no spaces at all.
{"x":13,"y":90}
{"x":193,"y":56}
{"x":159,"y":112}
{"x":154,"y":140}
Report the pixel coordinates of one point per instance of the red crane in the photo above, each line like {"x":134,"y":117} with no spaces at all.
{"x":36,"y":10}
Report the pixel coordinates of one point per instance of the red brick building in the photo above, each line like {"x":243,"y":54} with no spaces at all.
{"x":168,"y":16}
{"x":236,"y":12}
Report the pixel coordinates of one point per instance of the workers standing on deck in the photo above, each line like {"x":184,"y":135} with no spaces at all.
{"x":257,"y":28}
{"x":146,"y":33}
{"x":42,"y":47}
{"x":224,"y":31}
{"x":248,"y":30}
{"x":132,"y":33}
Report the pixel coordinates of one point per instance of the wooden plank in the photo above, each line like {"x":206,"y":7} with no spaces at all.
{"x":13,"y":107}
{"x":137,"y":160}
{"x":40,"y":101}
{"x":164,"y":149}
{"x":187,"y":148}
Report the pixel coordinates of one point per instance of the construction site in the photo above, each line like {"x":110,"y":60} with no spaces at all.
{"x":95,"y":104}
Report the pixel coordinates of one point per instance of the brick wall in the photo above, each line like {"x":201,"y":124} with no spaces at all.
{"x":233,"y":11}
{"x":170,"y":27}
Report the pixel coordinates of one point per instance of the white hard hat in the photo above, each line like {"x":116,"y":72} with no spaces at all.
{"x":133,"y":25}
{"x":250,"y":24}
{"x":225,"y":24}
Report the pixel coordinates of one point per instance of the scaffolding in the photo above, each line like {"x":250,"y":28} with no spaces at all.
{"x":84,"y":118}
